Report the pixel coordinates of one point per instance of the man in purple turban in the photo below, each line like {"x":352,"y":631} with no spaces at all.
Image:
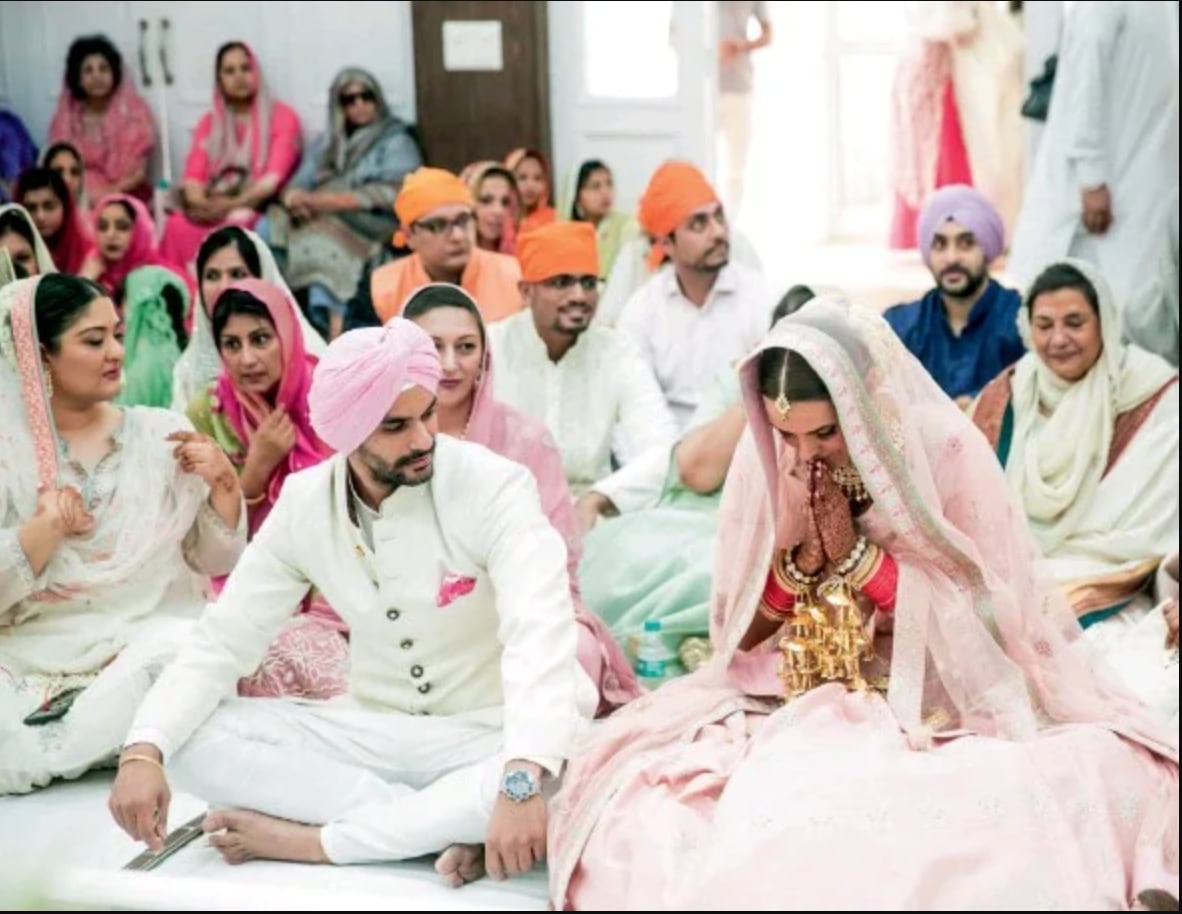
{"x":465,"y":693}
{"x":965,"y":330}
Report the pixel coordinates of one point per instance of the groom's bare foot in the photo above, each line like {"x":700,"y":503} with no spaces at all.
{"x":242,"y":835}
{"x":461,"y":863}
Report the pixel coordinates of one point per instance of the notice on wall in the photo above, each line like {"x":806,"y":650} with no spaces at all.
{"x":472,"y":45}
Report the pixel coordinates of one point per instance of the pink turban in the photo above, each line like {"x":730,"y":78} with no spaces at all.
{"x":361,"y":375}
{"x":965,"y":206}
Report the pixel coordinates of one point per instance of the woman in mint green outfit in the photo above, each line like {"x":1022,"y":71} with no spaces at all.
{"x":155,"y":306}
{"x":657,"y":563}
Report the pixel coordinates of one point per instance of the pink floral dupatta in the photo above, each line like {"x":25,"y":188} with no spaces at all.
{"x":982,"y":642}
{"x":245,"y":412}
{"x":124,"y":141}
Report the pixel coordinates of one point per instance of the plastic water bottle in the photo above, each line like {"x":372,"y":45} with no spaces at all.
{"x":651,"y":655}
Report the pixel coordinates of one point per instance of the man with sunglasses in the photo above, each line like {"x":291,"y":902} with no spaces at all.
{"x":699,"y":313}
{"x":436,"y":212}
{"x":586,"y":382}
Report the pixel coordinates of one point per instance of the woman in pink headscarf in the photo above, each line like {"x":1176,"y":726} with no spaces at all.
{"x":897,"y":714}
{"x":257,"y":412}
{"x":100,"y":114}
{"x":243,"y":152}
{"x":125,"y":240}
{"x":468,"y":411}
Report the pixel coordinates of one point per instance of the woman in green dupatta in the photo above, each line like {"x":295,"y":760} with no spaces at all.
{"x":155,"y":305}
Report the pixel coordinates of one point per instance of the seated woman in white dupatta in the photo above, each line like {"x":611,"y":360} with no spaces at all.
{"x":970,"y":758}
{"x":226,"y":255}
{"x":1087,"y":429}
{"x":101,"y":510}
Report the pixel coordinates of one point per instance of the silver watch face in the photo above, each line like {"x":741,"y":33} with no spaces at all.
{"x":519,"y":786}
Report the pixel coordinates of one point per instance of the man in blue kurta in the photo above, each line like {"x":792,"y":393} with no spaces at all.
{"x":965,"y":330}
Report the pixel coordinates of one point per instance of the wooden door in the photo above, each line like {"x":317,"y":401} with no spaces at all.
{"x":468,"y":108}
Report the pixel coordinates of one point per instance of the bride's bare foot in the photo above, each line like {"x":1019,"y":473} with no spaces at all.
{"x":242,"y":835}
{"x":461,"y":863}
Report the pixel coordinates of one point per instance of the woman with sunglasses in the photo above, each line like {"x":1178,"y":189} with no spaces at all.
{"x":339,"y":208}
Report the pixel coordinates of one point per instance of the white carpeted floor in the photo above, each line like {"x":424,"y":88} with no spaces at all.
{"x":60,"y":848}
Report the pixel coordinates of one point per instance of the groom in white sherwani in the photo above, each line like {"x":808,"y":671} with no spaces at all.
{"x":465,"y":694}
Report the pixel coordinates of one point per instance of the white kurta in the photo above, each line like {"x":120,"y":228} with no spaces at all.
{"x":687,"y":346}
{"x":631,"y":271}
{"x":1133,"y":646}
{"x":1114,"y":121}
{"x":131,"y":603}
{"x":491,"y":664}
{"x":599,"y":392}
{"x":1151,"y":317}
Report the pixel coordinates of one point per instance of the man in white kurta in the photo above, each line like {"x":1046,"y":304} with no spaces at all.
{"x":587,"y":383}
{"x":1107,"y":164}
{"x":699,"y":313}
{"x":464,"y":690}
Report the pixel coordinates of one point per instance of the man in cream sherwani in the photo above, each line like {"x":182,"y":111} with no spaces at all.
{"x":465,"y":694}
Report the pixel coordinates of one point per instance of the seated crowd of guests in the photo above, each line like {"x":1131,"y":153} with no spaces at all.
{"x":682,"y":445}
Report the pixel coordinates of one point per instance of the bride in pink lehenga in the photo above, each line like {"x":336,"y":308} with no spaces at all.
{"x":995,"y":770}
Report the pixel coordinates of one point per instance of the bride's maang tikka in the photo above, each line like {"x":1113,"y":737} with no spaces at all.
{"x":782,"y":403}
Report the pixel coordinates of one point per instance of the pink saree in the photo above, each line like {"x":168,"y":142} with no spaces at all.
{"x":997,"y":771}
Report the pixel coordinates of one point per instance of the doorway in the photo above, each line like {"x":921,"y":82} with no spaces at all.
{"x":481,"y":79}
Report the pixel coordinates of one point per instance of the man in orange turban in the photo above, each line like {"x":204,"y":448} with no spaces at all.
{"x":584,"y":381}
{"x":699,"y":313}
{"x":436,"y":212}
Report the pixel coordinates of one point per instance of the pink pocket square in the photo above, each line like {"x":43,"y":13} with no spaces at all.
{"x":453,"y":587}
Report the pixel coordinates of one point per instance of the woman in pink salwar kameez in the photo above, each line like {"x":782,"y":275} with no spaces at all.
{"x":986,"y":767}
{"x":244,"y":150}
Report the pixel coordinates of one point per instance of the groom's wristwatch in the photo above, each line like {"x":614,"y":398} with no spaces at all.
{"x":520,"y":785}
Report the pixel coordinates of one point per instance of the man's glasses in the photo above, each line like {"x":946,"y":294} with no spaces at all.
{"x":565,"y":281}
{"x":444,"y":226}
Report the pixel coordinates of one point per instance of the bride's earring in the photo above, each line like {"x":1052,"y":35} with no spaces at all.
{"x":849,"y":480}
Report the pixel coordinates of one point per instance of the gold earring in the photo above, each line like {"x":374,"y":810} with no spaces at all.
{"x":48,"y":383}
{"x":849,"y":480}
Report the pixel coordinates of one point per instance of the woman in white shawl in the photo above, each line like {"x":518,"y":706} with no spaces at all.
{"x":26,"y":247}
{"x":1087,"y":428}
{"x":226,"y":255}
{"x":101,"y":509}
